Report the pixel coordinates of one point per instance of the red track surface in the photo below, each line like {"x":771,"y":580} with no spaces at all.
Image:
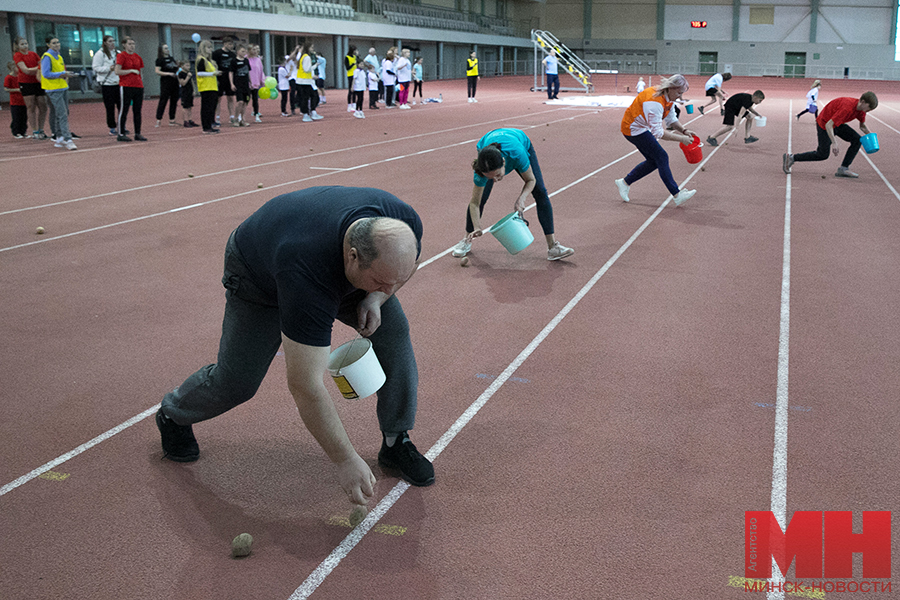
{"x":616,"y":462}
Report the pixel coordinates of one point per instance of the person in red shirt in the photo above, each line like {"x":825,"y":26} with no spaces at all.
{"x":29,"y":65}
{"x":131,"y":89}
{"x":832,"y":121}
{"x":19,"y":124}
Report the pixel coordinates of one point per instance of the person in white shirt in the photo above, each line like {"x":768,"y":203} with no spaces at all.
{"x":284,"y":85}
{"x":640,"y":85}
{"x":375,"y":86}
{"x":551,"y":66}
{"x":291,"y":66}
{"x":812,"y":100}
{"x":388,"y":78}
{"x":404,"y":76}
{"x":104,"y":67}
{"x":372,"y":59}
{"x":358,"y":86}
{"x":715,"y":92}
{"x":320,"y":76}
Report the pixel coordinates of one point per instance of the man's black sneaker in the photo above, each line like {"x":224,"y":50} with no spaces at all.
{"x":406,"y":460}
{"x":178,"y":442}
{"x":123,"y":138}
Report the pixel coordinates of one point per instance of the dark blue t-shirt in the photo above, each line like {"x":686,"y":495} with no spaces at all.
{"x":293,"y":246}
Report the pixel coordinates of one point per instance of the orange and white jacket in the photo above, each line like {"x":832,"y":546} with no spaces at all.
{"x":647,"y":113}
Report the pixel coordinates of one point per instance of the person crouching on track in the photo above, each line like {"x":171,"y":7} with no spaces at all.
{"x":500,"y":152}
{"x":831,"y":123}
{"x":736,"y":108}
{"x":644,"y":123}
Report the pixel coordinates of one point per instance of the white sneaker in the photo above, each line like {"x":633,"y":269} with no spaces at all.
{"x":157,"y":122}
{"x":845,"y":172}
{"x":623,"y":189}
{"x":307,"y":119}
{"x":359,"y":114}
{"x":683,"y":196}
{"x":58,"y":143}
{"x":559,"y":251}
{"x":474,"y":100}
{"x":70,"y":145}
{"x":406,"y":106}
{"x":258,"y":119}
{"x":316,"y":116}
{"x":462,"y":248}
{"x":351,"y":108}
{"x":469,"y":100}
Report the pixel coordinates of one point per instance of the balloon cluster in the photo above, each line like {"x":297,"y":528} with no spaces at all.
{"x":270,"y":91}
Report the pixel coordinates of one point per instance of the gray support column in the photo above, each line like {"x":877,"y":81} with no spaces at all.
{"x":500,"y":56}
{"x":16,"y":27}
{"x":165,"y":36}
{"x":399,"y":44}
{"x":735,"y":20}
{"x":265,"y":42}
{"x":440,"y":60}
{"x":660,"y":19}
{"x":588,"y":16}
{"x":515,"y":60}
{"x":814,"y":21}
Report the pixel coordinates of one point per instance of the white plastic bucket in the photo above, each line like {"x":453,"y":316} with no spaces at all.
{"x":512,"y":231}
{"x":760,"y":121}
{"x":355,"y":369}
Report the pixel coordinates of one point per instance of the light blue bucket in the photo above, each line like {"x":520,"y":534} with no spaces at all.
{"x":690,"y":109}
{"x":870,"y":143}
{"x":512,"y":231}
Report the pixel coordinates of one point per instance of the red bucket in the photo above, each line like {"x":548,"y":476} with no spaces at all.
{"x":693,"y":153}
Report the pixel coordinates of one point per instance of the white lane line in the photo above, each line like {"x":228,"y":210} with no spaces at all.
{"x":779,"y":454}
{"x":883,"y":178}
{"x":73,"y":453}
{"x":882,"y":122}
{"x":328,"y":168}
{"x":260,"y":165}
{"x":354,"y":537}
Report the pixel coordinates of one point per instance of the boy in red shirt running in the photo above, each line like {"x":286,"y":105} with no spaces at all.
{"x":832,"y":121}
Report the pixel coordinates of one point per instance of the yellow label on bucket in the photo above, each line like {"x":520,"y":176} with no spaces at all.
{"x":344,"y":387}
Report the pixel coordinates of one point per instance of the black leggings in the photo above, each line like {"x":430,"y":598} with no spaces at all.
{"x":208,"y":101}
{"x":358,"y":96}
{"x":285,"y":94}
{"x":131,"y":96}
{"x":472,"y":82}
{"x":845,"y":132}
{"x":112,"y":101}
{"x":373,"y":98}
{"x":389,"y":95}
{"x":417,"y":87}
{"x":168,"y":92}
{"x":254,"y":94}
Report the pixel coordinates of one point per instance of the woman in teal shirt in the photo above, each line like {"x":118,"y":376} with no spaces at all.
{"x":500,"y":152}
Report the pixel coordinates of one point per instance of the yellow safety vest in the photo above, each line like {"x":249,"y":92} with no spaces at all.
{"x":207,"y":84}
{"x":57,"y":66}
{"x":301,"y":74}
{"x":473,"y":66}
{"x":351,"y":60}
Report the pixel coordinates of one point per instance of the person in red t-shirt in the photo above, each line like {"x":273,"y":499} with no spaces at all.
{"x":832,"y":121}
{"x":131,"y":89}
{"x":29,"y":65}
{"x":19,"y":124}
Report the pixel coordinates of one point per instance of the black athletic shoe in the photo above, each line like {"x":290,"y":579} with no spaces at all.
{"x":406,"y":460}
{"x":140,"y":138}
{"x":178,"y":443}
{"x":123,"y":138}
{"x":75,"y":136}
{"x":700,"y":108}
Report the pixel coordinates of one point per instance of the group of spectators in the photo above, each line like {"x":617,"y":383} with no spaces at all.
{"x":39,"y":84}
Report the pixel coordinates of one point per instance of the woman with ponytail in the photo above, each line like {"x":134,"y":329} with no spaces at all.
{"x":500,"y":152}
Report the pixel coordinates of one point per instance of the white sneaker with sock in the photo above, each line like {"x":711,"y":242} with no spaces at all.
{"x":683,"y":196}
{"x":623,"y":189}
{"x":462,"y":248}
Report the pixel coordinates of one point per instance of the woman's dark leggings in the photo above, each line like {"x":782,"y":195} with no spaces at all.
{"x":254,"y":94}
{"x":112,"y":101}
{"x":472,"y":84}
{"x":539,"y":193}
{"x":167,"y":93}
{"x":208,"y":101}
{"x":388,"y":95}
{"x":654,"y":158}
{"x":285,"y":94}
{"x":417,"y":87}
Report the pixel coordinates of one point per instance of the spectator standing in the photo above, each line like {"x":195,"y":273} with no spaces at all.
{"x":186,"y":91}
{"x":257,"y":79}
{"x":131,"y":89}
{"x":417,"y":77}
{"x":374,"y":85}
{"x":284,"y":86}
{"x":224,"y":59}
{"x":372,"y":59}
{"x":307,"y":96}
{"x":104,"y":67}
{"x":360,"y":83}
{"x":404,"y":76}
{"x":350,"y":62}
{"x":19,"y":114}
{"x":472,"y":76}
{"x":55,"y":83}
{"x":641,"y":86}
{"x":320,"y":76}
{"x":28,"y":63}
{"x":240,"y":81}
{"x":208,"y":86}
{"x":389,"y":78}
{"x":166,"y":68}
{"x":551,"y":67}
